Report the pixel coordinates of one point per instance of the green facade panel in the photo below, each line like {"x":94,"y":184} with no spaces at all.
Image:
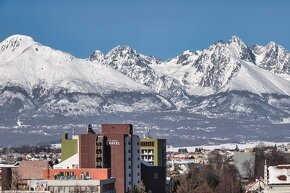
{"x":159,"y":150}
{"x":69,"y":147}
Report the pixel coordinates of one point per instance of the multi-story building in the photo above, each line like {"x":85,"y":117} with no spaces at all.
{"x":153,"y":167}
{"x":124,"y":157}
{"x":153,"y":151}
{"x":115,"y":147}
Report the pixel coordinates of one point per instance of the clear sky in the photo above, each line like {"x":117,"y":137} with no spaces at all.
{"x":160,"y":28}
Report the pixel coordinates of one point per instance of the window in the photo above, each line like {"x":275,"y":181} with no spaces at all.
{"x":129,"y":151}
{"x":155,"y":175}
{"x":129,"y":159}
{"x":50,"y":189}
{"x":55,"y":189}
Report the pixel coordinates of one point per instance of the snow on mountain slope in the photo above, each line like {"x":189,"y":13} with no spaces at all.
{"x":138,"y":67}
{"x":222,"y":67}
{"x":206,"y":72}
{"x":256,"y":80}
{"x":45,"y":77}
{"x":37,"y":64}
{"x":13,"y":46}
{"x":33,"y":76}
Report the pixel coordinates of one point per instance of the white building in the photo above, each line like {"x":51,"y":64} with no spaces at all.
{"x":277,"y":179}
{"x":65,"y":186}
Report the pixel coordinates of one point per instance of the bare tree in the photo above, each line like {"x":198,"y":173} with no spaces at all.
{"x":248,"y":167}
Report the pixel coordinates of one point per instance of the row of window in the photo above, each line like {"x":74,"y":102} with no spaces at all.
{"x":147,"y":143}
{"x":69,"y":189}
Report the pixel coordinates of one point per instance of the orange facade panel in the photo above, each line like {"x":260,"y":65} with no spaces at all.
{"x":78,"y":174}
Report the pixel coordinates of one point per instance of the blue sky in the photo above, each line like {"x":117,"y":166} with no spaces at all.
{"x":160,"y":28}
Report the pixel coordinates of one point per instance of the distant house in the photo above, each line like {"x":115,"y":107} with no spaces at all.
{"x":256,"y":186}
{"x":277,"y":179}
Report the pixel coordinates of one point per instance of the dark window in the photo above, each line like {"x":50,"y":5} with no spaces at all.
{"x":155,"y":175}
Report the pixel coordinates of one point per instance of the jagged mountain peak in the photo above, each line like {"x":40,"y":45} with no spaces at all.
{"x":97,"y":56}
{"x":274,"y":46}
{"x":122,"y":50}
{"x":236,"y":39}
{"x":272,"y":57}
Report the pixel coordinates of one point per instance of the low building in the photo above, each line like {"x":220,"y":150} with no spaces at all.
{"x":66,"y":186}
{"x":277,"y":179}
{"x":76,"y":174}
{"x":29,"y":170}
{"x":257,"y":186}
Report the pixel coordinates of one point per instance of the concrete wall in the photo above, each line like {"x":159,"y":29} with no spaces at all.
{"x":25,"y":169}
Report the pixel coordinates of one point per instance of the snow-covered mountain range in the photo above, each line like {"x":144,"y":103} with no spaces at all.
{"x":226,"y":85}
{"x":36,"y":78}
